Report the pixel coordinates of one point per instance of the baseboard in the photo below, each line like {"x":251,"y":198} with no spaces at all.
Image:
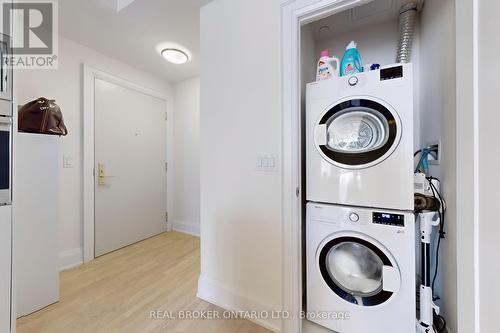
{"x":70,"y":259}
{"x":215,"y":293}
{"x":193,"y":230}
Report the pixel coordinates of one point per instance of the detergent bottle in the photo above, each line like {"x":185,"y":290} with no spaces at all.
{"x":351,"y":62}
{"x":328,"y":67}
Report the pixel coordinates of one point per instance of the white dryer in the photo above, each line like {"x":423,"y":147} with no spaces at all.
{"x":361,"y":269}
{"x":359,"y":143}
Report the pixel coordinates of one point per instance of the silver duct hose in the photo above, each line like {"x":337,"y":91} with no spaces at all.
{"x":407,"y":20}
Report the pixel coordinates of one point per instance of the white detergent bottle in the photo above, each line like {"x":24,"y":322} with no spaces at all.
{"x":328,"y":67}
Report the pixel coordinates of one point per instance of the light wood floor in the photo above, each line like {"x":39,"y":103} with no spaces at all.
{"x":117,"y":292}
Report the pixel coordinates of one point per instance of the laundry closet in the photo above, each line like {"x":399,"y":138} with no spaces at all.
{"x":360,"y":187}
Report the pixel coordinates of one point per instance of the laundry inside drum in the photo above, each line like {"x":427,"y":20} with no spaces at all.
{"x":356,"y":131}
{"x":356,"y":269}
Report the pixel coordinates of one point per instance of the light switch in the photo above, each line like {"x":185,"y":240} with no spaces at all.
{"x":259,"y":162}
{"x":267,"y":162}
{"x":68,"y":162}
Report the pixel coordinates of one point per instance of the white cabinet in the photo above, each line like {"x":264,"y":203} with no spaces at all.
{"x":5,"y":267}
{"x":36,"y":222}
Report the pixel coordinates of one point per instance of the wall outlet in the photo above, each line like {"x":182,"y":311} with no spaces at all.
{"x":437,"y":159}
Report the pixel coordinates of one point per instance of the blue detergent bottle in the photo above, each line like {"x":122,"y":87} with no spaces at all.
{"x":351,"y":62}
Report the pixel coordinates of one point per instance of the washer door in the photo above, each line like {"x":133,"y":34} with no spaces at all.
{"x":358,"y":133}
{"x":358,"y":271}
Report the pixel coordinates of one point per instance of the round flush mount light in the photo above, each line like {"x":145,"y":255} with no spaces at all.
{"x":324,"y":29}
{"x":175,"y":55}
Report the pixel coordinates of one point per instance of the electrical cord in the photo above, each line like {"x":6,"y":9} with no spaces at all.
{"x":439,"y":240}
{"x":439,"y":321}
{"x":442,"y":216}
{"x":425,"y":152}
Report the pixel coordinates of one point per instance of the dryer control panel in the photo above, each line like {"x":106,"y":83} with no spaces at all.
{"x":391,"y":73}
{"x":395,"y":220}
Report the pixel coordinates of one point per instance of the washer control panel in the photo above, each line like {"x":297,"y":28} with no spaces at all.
{"x":395,"y":220}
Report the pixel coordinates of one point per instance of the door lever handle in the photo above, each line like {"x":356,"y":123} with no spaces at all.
{"x":101,"y":174}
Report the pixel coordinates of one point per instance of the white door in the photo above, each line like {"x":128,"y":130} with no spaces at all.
{"x":5,"y":267}
{"x":130,"y":157}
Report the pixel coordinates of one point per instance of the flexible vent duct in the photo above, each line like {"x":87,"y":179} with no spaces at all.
{"x":407,"y":20}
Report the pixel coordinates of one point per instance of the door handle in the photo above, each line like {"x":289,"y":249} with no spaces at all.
{"x":320,"y":135}
{"x":391,"y":279}
{"x":5,"y":120}
{"x":101,"y":174}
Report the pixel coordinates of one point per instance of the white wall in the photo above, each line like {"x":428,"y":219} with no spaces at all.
{"x":376,"y":44}
{"x":438,"y":119}
{"x":65,"y":85}
{"x":466,"y":168}
{"x":186,"y":214}
{"x":240,"y":118}
{"x":489,"y":160}
{"x":309,"y":57}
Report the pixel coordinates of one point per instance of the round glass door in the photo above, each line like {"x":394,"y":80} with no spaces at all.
{"x":353,"y":269}
{"x":359,"y":132}
{"x":356,"y":131}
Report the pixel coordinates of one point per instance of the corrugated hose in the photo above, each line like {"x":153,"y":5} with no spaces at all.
{"x":407,"y":20}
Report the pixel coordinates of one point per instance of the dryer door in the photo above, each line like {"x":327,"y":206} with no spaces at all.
{"x":359,"y":271}
{"x":358,"y":133}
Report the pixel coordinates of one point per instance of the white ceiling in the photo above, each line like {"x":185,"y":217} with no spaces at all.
{"x":132,"y":34}
{"x":359,"y":17}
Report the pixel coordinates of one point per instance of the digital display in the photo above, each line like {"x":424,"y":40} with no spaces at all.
{"x":391,"y":73}
{"x":389,"y":219}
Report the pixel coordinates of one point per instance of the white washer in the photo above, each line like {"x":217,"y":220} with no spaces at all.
{"x":359,"y":141}
{"x":361,"y":269}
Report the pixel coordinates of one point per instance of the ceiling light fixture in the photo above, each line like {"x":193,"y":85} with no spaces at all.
{"x":324,"y":28}
{"x":175,"y":56}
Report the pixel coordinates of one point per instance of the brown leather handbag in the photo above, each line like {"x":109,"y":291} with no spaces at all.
{"x":42,"y":116}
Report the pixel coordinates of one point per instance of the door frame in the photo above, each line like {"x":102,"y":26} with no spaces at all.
{"x":294,"y":14}
{"x":90,"y":74}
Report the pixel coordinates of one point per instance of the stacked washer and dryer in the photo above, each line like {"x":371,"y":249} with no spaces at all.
{"x":360,"y":221}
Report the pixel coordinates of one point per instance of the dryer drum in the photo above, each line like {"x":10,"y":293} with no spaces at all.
{"x":355,"y":131}
{"x":359,"y":132}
